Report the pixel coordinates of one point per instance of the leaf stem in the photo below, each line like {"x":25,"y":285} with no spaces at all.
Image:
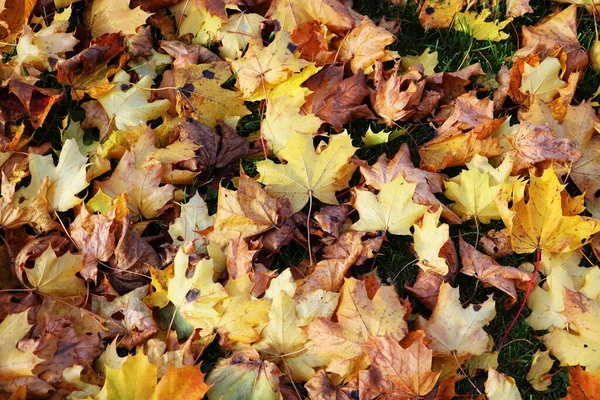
{"x":538,"y":258}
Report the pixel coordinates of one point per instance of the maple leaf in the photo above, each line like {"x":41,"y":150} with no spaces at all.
{"x":540,"y":223}
{"x":201,"y":95}
{"x":14,"y":14}
{"x":319,"y":386}
{"x":518,"y":8}
{"x":65,"y":180}
{"x":439,"y":14}
{"x":365,"y":44}
{"x":193,"y":218}
{"x":240,"y":314}
{"x":283,"y":119}
{"x":359,"y":316}
{"x":266,"y":66}
{"x":454,"y":330}
{"x":137,"y":323}
{"x":542,"y":81}
{"x":428,"y":183}
{"x":479,"y":26}
{"x":538,"y":375}
{"x":89,"y":70}
{"x":245,"y":213}
{"x":397,"y":98}
{"x":309,"y":173}
{"x":14,"y":362}
{"x":476,"y":189}
{"x":372,"y":139}
{"x":578,"y":345}
{"x":181,"y":383}
{"x":56,"y":275}
{"x":238,"y":33}
{"x":143,"y":194}
{"x":535,"y":145}
{"x":500,"y":386}
{"x":556,"y":35}
{"x":115,"y":16}
{"x":195,"y":295}
{"x":490,"y":273}
{"x":127,"y":104}
{"x":36,"y":50}
{"x":396,"y":370}
{"x":136,"y":377}
{"x":282,"y":339}
{"x":336,"y":100}
{"x":291,"y":13}
{"x":428,"y":60}
{"x":392,"y":209}
{"x":429,"y":239}
{"x":582,"y":384}
{"x":244,"y":374}
{"x":94,"y":234}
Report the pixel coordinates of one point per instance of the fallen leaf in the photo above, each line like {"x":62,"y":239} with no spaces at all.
{"x":540,"y":223}
{"x":480,"y":26}
{"x":538,"y":375}
{"x":291,"y":13}
{"x":16,"y":363}
{"x":108,"y":16}
{"x":56,"y":275}
{"x":582,"y":384}
{"x":398,"y":371}
{"x":501,"y":387}
{"x":244,"y":374}
{"x":308,"y":172}
{"x":392,"y":209}
{"x":336,"y":100}
{"x":490,"y":273}
{"x":429,"y":239}
{"x":364,"y":45}
{"x":454,"y":330}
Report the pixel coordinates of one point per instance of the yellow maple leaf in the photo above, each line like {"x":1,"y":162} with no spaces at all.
{"x":283,"y":119}
{"x":238,"y":33}
{"x":540,"y":223}
{"x":392,"y":209}
{"x":65,"y":180}
{"x":308,"y":172}
{"x":538,"y":375}
{"x":580,"y":343}
{"x":201,"y":94}
{"x":475,"y":190}
{"x":114,"y":16}
{"x":428,"y":59}
{"x":501,"y":387}
{"x":143,"y":194}
{"x":196,"y":20}
{"x":56,"y":275}
{"x":454,"y":330}
{"x":127,"y":104}
{"x":193,"y":217}
{"x":241,"y":314}
{"x":262,"y":66}
{"x":543,"y":80}
{"x":478,"y":26}
{"x":194,"y":295}
{"x":15,"y":363}
{"x":135,"y":380}
{"x":40,"y":50}
{"x":429,"y":239}
{"x":283,"y":341}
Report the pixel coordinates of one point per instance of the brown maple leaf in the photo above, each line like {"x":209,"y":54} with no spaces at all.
{"x":336,"y":100}
{"x":490,"y":273}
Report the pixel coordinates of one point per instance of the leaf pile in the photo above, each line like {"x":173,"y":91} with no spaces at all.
{"x":191,"y":205}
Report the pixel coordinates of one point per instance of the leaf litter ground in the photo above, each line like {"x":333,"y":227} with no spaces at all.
{"x":246,"y":199}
